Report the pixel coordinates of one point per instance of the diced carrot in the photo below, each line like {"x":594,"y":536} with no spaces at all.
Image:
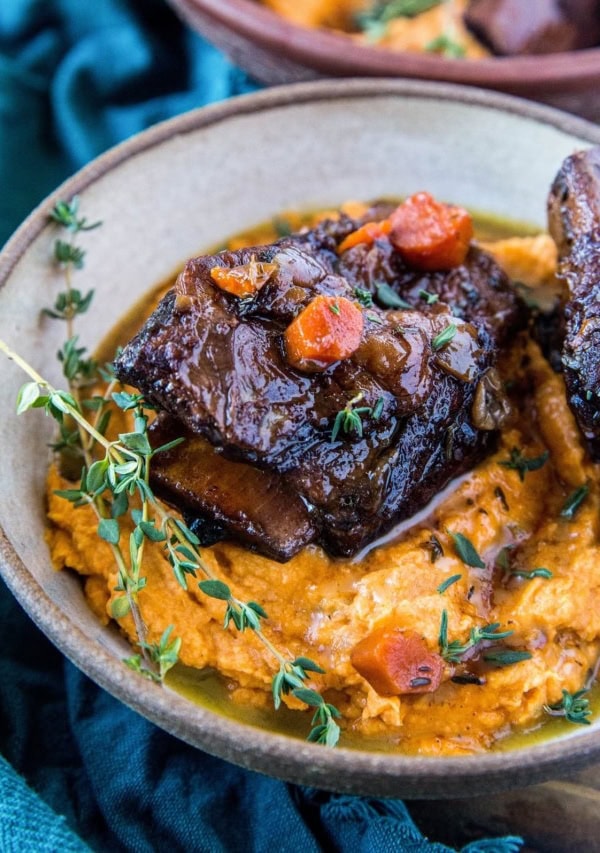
{"x":367,"y":233}
{"x":329,"y":329}
{"x":394,"y":662}
{"x":431,"y":235}
{"x":244,"y":280}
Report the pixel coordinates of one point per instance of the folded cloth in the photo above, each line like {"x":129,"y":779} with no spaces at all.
{"x":75,"y":78}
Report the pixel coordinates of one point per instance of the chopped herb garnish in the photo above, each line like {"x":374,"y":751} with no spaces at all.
{"x":573,"y":707}
{"x":523,"y":464}
{"x":443,"y":339}
{"x":67,"y":253}
{"x":534,"y":573}
{"x":574,"y":501}
{"x":378,"y":409}
{"x":430,"y":298}
{"x":349,"y":419}
{"x":364,"y":297}
{"x":389,"y":297}
{"x":375,"y":319}
{"x":506,"y":657}
{"x":448,"y":582}
{"x":453,"y":652}
{"x":466,"y":551}
{"x":447,"y":46}
{"x":374,"y":21}
{"x":334,"y":308}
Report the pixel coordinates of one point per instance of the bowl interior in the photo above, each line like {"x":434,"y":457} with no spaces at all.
{"x":184,"y":186}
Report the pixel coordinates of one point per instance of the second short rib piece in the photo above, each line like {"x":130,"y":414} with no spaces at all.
{"x":574,"y":220}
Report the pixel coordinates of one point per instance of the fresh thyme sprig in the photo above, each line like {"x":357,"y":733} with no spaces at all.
{"x":164,"y":654}
{"x":573,"y":707}
{"x":78,"y":368}
{"x":124,"y":472}
{"x":65,"y":213}
{"x":349,"y":419}
{"x":454,"y":651}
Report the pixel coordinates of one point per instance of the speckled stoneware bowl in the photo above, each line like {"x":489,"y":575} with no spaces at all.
{"x":187,"y":184}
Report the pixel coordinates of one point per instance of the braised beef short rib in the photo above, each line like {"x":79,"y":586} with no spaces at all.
{"x":260,"y":465}
{"x":574,"y":220}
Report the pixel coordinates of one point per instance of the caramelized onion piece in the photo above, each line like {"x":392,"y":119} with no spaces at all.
{"x":244,"y":280}
{"x":491,"y":407}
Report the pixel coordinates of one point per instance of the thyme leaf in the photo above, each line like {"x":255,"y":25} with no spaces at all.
{"x":349,"y":420}
{"x":573,"y":707}
{"x":454,"y":651}
{"x":574,"y":501}
{"x":534,"y":573}
{"x":443,"y":339}
{"x":446,"y":45}
{"x":506,"y":657}
{"x":430,"y":298}
{"x":522,"y":464}
{"x":447,"y":583}
{"x":466,"y":551}
{"x":67,"y":253}
{"x":389,"y":298}
{"x":65,"y":213}
{"x":363,"y":297}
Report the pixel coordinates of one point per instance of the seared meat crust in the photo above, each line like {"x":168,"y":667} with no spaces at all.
{"x":217,"y":364}
{"x":574,"y":221}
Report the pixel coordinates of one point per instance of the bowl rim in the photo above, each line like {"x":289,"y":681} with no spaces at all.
{"x":335,"y":54}
{"x":341,"y":769}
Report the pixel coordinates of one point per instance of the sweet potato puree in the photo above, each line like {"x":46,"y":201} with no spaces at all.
{"x":413,"y":34}
{"x":321,"y":608}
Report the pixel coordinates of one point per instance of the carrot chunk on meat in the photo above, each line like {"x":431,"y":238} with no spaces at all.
{"x":244,"y":280}
{"x":430,"y":235}
{"x":396,"y":662}
{"x":367,"y":233}
{"x":329,"y":329}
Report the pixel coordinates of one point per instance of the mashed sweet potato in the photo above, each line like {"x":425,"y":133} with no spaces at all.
{"x":321,"y":607}
{"x":413,"y":34}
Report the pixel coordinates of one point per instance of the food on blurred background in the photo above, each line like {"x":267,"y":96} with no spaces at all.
{"x":472,"y":29}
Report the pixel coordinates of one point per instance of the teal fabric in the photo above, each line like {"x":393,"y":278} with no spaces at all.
{"x":82,"y":771}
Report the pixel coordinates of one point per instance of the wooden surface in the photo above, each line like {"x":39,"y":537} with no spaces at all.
{"x":556,"y":817}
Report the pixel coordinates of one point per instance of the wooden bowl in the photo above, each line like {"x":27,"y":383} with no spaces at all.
{"x":187,"y":184}
{"x":274,"y":50}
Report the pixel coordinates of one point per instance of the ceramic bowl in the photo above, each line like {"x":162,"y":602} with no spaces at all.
{"x":276,"y":51}
{"x":187,"y":184}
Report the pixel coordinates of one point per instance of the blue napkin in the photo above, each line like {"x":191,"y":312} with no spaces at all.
{"x":82,"y":771}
